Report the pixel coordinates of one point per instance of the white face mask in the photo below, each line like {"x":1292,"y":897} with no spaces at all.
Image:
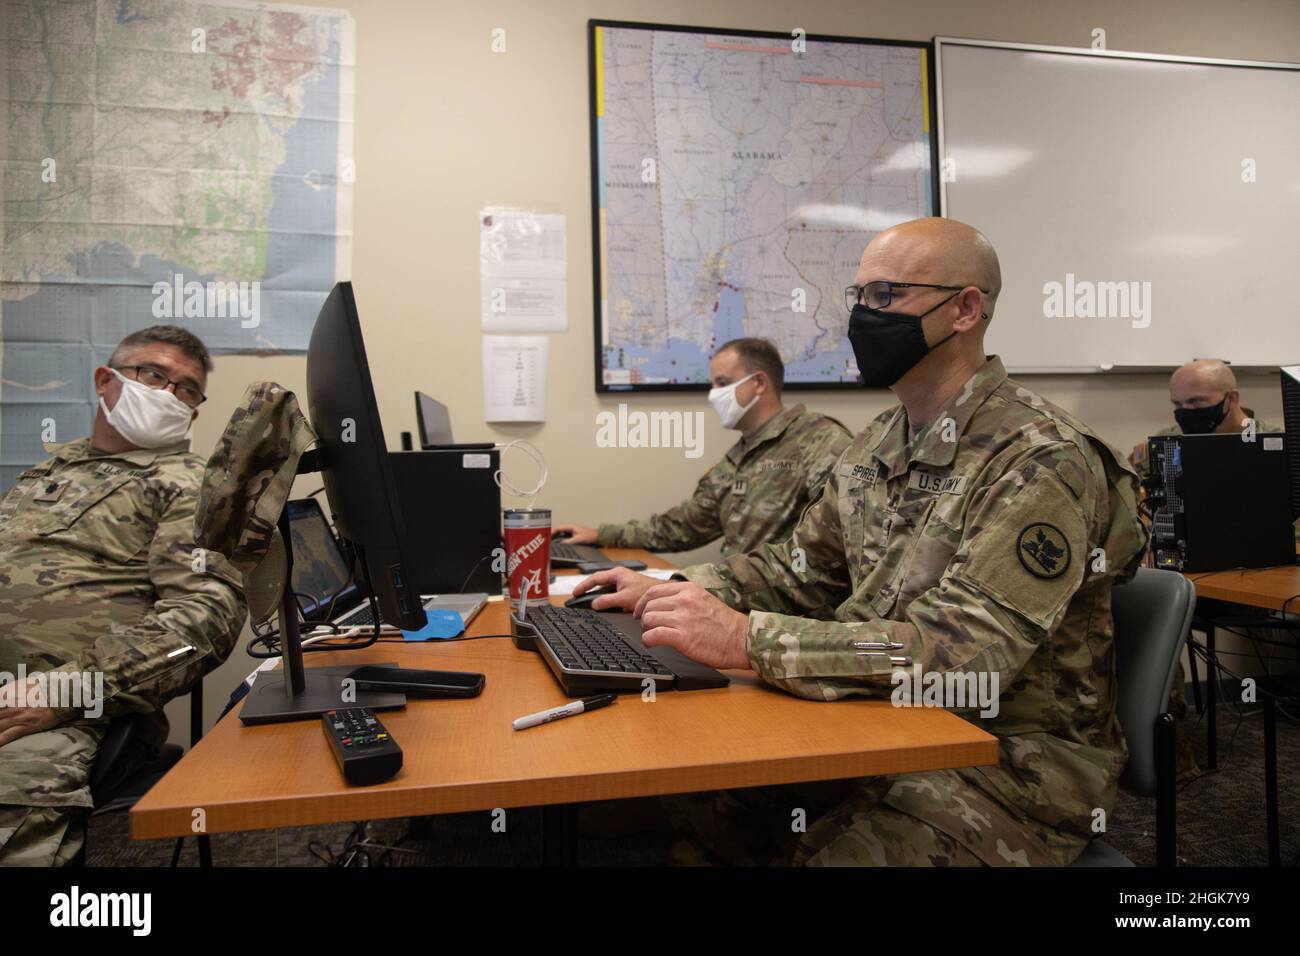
{"x":724,"y":402}
{"x":148,"y":417}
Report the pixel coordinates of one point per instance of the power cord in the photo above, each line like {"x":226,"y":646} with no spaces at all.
{"x":506,"y":485}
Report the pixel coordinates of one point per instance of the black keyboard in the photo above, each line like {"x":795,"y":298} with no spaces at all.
{"x":589,"y":654}
{"x":575,"y":553}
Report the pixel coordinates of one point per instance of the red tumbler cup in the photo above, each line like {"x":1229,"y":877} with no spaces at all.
{"x":528,"y":553}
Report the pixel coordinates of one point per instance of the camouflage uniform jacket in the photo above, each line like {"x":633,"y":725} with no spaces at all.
{"x":99,"y":573}
{"x":754,"y":495}
{"x":986,"y":542}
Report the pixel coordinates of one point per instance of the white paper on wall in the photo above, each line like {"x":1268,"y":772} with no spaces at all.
{"x":522,"y":271}
{"x":514,"y":378}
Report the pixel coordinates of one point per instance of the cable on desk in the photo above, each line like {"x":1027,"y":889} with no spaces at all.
{"x":394,"y":639}
{"x":531,"y":451}
{"x":477,"y":564}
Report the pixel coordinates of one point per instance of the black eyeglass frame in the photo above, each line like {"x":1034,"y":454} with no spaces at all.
{"x":176,"y":386}
{"x":853,"y":293}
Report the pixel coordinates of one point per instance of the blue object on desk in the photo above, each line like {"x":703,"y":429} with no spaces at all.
{"x":441,"y":624}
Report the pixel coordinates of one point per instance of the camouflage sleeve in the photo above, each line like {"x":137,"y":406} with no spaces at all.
{"x":989,"y":611}
{"x":806,"y":574}
{"x":822,"y":453}
{"x":692,"y":524}
{"x":191,"y":629}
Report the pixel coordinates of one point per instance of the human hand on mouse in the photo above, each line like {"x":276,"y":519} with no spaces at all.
{"x":574,"y":533}
{"x":630,"y":587}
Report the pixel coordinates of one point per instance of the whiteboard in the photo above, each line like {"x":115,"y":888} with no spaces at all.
{"x":1146,"y":209}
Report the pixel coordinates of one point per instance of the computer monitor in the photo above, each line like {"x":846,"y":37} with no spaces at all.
{"x":354,"y":458}
{"x":1290,"y":375}
{"x":353,"y":461}
{"x":434,"y":421}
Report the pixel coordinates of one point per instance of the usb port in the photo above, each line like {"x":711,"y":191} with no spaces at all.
{"x":396,"y":572}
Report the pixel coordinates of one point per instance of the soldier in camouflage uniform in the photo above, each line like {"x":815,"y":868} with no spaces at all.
{"x":1204,"y":394}
{"x":99,"y":575}
{"x":974,"y":528}
{"x":1206,"y":399}
{"x":758,"y":490}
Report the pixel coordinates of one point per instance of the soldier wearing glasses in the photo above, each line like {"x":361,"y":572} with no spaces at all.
{"x":972,"y":529}
{"x":101,"y":581}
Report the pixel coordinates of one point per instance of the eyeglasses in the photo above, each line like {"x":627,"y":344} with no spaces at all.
{"x":880,"y":294}
{"x":152,"y":377}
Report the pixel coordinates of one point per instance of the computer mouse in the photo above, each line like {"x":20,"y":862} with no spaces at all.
{"x":561,"y":535}
{"x":584,"y":600}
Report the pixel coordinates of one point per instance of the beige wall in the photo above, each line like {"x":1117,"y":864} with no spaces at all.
{"x":444,"y":126}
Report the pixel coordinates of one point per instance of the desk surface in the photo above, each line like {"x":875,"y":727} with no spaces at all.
{"x":1269,"y":588}
{"x":462,"y":755}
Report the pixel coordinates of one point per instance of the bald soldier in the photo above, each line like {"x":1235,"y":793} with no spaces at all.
{"x":975,"y":530}
{"x":107,"y":606}
{"x":757,"y":491}
{"x":1206,"y":399}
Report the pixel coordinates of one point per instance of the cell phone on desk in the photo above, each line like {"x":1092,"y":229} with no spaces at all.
{"x":418,"y":683}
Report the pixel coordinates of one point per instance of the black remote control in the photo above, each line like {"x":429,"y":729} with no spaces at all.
{"x":365,"y":752}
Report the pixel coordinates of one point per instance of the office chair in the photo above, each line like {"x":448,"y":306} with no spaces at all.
{"x":1153,"y":614}
{"x":119,"y":779}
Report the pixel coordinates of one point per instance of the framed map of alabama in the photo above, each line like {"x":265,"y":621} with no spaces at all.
{"x":736,"y":178}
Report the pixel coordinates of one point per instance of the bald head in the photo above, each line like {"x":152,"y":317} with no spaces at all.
{"x":934,"y":250}
{"x":1208,"y":379}
{"x":1206,"y":384}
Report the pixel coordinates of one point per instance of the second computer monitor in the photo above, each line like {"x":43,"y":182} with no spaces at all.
{"x":434,"y":421}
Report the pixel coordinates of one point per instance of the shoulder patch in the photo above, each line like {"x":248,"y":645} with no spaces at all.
{"x":1043,"y":550}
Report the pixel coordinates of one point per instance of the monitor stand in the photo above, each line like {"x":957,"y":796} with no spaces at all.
{"x":273,"y":700}
{"x":295,"y":692}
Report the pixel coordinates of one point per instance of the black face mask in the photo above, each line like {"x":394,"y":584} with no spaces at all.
{"x":888,"y":344}
{"x":1201,"y":421}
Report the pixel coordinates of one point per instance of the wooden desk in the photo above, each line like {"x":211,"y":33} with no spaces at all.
{"x":463,"y":755}
{"x":1268,"y":588}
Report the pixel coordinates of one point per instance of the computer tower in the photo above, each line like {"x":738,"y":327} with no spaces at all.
{"x":1220,"y":502}
{"x":1290,"y":375}
{"x":451,"y":507}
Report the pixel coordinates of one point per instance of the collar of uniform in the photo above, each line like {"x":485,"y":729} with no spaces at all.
{"x":774,"y":427}
{"x":896,"y":450}
{"x":82,"y":448}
